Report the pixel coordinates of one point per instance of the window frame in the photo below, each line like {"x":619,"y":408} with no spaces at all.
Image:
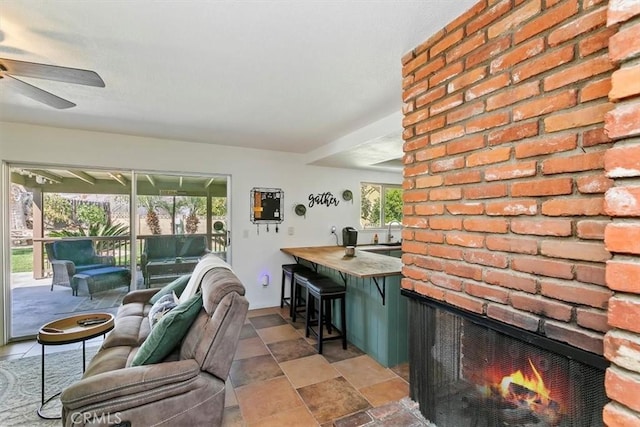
{"x":383,"y":223}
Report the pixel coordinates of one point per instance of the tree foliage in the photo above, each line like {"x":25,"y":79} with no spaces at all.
{"x":151,"y":218}
{"x":370,"y":206}
{"x":97,"y":229}
{"x":193,"y":207}
{"x":57,"y":211}
{"x":393,"y":205}
{"x":88,"y":214}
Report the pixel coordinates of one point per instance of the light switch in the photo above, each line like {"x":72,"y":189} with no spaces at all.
{"x":291,"y":231}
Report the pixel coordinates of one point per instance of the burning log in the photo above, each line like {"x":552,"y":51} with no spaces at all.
{"x":544,"y":409}
{"x":519,"y":407}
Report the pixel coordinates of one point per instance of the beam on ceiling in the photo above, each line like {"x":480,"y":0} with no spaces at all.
{"x":83,"y":176}
{"x":120,"y":178}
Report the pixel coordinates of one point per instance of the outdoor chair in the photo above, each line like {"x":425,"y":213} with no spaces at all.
{"x":69,"y":257}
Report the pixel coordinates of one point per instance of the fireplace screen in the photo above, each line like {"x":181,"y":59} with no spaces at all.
{"x":466,"y":374}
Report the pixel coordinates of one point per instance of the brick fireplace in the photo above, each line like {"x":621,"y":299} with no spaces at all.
{"x":522,"y":176}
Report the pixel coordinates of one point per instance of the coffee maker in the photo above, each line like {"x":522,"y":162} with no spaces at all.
{"x":349,"y":236}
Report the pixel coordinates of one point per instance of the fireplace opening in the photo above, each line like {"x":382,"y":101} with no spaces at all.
{"x":471,"y":371}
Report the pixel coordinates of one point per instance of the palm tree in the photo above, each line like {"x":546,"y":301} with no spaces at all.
{"x":196,"y":206}
{"x":150,"y":203}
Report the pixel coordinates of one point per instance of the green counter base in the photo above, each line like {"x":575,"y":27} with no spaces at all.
{"x":379,"y":330}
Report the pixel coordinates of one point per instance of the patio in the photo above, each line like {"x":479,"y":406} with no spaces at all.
{"x":34,"y":303}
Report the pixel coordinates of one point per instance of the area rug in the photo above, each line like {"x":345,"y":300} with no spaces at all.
{"x":20,"y":385}
{"x":34,"y":306}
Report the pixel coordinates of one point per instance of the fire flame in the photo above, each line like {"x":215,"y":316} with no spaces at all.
{"x":533,"y":384}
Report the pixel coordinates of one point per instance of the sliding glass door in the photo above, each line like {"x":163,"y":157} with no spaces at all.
{"x":65,"y":216}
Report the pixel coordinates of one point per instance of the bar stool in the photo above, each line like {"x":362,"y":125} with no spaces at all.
{"x":289,"y":271}
{"x":299,"y":292}
{"x":325,"y":291}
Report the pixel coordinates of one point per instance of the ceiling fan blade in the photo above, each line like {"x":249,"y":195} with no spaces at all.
{"x":52,"y":72}
{"x":35,"y":93}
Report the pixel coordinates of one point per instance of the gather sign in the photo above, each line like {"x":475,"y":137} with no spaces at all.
{"x":325,"y":199}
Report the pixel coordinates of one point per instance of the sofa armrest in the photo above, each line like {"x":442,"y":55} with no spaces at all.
{"x":64,"y":265}
{"x":140,"y":295}
{"x":142,"y":384}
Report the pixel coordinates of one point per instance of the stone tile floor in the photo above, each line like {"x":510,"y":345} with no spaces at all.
{"x":277,"y":379}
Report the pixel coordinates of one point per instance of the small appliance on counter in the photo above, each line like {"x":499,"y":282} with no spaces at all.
{"x":349,"y":236}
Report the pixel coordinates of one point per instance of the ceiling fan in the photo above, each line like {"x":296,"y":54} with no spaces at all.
{"x":11,"y":67}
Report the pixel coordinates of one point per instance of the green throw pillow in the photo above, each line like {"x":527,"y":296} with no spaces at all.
{"x":176,"y":286}
{"x":168,"y":332}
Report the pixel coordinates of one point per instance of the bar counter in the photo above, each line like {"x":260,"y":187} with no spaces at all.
{"x":376,"y":325}
{"x":364,"y":264}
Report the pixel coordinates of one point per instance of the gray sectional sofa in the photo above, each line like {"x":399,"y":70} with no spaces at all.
{"x":187,"y":387}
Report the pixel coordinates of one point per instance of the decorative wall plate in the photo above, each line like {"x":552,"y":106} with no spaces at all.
{"x":347,"y":195}
{"x":300,"y":210}
{"x":218,"y":225}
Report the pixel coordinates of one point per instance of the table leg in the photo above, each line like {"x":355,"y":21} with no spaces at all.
{"x":83,"y":356}
{"x":42,"y":401}
{"x":42,"y":376}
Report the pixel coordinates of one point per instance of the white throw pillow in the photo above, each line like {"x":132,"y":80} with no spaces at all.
{"x":162,"y":307}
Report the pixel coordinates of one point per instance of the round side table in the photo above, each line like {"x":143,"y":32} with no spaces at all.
{"x":79,"y":328}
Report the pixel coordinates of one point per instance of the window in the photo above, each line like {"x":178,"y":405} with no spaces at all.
{"x":380,"y":204}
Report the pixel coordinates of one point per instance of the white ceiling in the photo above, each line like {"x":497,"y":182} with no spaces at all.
{"x":321,"y":78}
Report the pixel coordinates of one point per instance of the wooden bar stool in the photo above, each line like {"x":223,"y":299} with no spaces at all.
{"x":289,"y":271}
{"x":325,"y":291}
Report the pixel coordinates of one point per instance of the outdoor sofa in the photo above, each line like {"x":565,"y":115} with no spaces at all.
{"x":171,"y":256}
{"x":69,"y":257}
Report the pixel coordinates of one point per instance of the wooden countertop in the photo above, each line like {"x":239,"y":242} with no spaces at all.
{"x":364,"y":264}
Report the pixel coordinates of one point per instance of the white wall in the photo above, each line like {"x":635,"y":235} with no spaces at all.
{"x":251,"y":256}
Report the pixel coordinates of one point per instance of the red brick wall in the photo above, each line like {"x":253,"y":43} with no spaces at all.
{"x":522,"y":176}
{"x":505,"y":153}
{"x":622,"y":202}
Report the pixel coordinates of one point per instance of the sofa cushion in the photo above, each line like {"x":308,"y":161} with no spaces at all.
{"x":139,"y":309}
{"x":216,"y":284}
{"x":108,"y":359}
{"x":129,"y":331}
{"x":176,"y":286}
{"x":168,"y":333}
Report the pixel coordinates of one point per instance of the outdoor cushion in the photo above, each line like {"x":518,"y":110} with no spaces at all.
{"x":190,"y":246}
{"x":168,"y":332}
{"x":84,"y":268}
{"x":101,"y":269}
{"x":160,"y":247}
{"x":77,"y":251}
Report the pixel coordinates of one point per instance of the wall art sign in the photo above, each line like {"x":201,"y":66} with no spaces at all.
{"x":266,"y":205}
{"x":325,"y":199}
